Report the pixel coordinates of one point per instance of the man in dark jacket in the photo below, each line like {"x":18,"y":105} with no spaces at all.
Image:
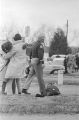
{"x":37,"y":53}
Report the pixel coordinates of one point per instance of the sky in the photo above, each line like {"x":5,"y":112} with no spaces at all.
{"x":36,"y":12}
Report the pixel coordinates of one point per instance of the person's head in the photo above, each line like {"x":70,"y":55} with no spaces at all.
{"x":49,"y":84}
{"x":24,"y":46}
{"x":41,"y":38}
{"x":7,"y":46}
{"x":54,"y":83}
{"x":17,"y":37}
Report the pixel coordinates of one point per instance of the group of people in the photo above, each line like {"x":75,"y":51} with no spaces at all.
{"x":18,"y":56}
{"x":71,"y":62}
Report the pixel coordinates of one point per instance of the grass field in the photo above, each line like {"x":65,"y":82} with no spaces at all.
{"x":66,"y":103}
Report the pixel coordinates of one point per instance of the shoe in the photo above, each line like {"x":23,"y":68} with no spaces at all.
{"x":25,"y":91}
{"x":40,"y":95}
{"x":19,"y":93}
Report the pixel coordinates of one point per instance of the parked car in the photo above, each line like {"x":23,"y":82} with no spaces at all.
{"x":55,"y":63}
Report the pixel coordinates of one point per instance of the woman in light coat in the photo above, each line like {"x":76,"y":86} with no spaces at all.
{"x":17,"y":64}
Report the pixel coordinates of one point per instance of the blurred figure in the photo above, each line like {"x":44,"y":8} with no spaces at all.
{"x":71,"y":64}
{"x":65,"y":65}
{"x":37,"y":53}
{"x":77,"y":61}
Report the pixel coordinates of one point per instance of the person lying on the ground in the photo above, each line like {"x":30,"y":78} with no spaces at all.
{"x":52,"y":89}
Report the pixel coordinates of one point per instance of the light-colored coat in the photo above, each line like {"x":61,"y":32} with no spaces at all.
{"x":18,"y":61}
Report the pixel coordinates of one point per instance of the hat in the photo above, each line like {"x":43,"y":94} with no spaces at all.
{"x":17,"y":37}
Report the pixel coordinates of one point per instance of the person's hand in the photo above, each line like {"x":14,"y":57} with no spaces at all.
{"x":24,"y":46}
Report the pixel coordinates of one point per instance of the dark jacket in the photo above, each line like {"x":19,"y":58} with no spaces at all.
{"x":37,"y":50}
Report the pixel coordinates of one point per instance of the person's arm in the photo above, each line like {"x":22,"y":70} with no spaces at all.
{"x":9,"y":54}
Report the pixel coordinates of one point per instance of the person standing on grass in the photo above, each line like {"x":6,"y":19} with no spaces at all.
{"x":6,"y":47}
{"x":65,"y":65}
{"x":37,"y":53}
{"x":17,"y":64}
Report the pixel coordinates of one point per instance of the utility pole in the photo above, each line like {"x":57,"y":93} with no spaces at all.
{"x":67,"y":30}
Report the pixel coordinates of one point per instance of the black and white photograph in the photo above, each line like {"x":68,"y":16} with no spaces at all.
{"x":39,"y":59}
